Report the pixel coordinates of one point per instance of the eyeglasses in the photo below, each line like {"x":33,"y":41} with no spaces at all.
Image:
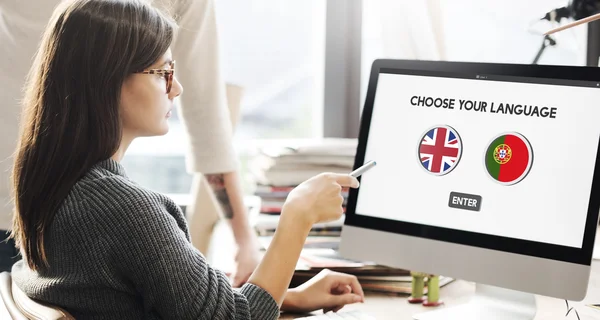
{"x":167,"y":73}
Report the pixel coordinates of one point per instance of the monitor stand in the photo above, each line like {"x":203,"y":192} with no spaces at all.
{"x":488,"y":303}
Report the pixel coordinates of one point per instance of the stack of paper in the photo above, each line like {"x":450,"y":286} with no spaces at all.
{"x":288,"y":163}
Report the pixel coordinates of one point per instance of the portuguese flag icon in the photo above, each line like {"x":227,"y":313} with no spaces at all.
{"x":508,"y":158}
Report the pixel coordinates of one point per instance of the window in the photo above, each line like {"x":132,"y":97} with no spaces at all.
{"x":467,"y":30}
{"x":507,"y":31}
{"x":274,"y":50}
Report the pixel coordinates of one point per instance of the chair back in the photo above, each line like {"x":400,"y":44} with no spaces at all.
{"x":21,"y":307}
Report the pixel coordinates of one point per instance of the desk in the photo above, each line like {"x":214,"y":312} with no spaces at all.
{"x":458,"y":292}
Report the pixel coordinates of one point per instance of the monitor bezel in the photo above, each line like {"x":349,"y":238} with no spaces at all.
{"x":581,"y":255}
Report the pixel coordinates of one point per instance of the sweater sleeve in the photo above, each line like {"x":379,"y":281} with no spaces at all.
{"x":203,"y":103}
{"x":174,"y":279}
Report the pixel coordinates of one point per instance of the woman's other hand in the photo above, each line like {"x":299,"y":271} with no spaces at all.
{"x":328,"y":290}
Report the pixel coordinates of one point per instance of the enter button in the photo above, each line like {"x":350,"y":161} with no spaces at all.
{"x":464,"y":201}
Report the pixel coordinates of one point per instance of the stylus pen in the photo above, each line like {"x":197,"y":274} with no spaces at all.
{"x":575,"y":23}
{"x":366,"y":167}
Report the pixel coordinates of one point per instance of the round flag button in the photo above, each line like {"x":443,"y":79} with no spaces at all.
{"x":440,"y":149}
{"x":508,"y":158}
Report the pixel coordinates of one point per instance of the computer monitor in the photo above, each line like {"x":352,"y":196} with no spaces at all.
{"x":485,"y":172}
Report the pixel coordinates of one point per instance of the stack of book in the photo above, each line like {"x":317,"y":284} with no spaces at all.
{"x":279,"y":167}
{"x":374,"y":278}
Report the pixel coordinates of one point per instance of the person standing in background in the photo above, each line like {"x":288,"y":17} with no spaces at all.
{"x":203,"y":108}
{"x":205,"y":115}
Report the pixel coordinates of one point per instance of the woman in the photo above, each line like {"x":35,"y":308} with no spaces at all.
{"x":95,"y":242}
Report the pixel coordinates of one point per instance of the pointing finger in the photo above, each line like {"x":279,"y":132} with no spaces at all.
{"x":346,"y":180}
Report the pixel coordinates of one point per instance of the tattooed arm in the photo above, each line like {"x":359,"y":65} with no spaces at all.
{"x":228,"y":192}
{"x":217,"y":182}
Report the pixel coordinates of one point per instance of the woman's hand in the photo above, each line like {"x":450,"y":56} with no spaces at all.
{"x":319,"y":199}
{"x":328,"y":290}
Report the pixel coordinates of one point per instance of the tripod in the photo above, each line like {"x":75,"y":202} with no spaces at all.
{"x":548,"y":41}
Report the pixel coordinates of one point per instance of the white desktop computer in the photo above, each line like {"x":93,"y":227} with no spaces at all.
{"x":485,"y":172}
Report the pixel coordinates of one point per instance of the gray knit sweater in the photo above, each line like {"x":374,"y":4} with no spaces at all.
{"x":119,"y":251}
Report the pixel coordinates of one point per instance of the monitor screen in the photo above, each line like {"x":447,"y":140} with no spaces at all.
{"x":509,"y":159}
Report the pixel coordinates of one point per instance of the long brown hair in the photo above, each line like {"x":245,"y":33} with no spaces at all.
{"x":71,"y":107}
